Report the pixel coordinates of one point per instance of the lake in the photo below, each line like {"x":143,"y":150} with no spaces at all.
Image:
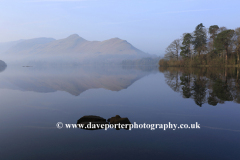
{"x":33,"y":99}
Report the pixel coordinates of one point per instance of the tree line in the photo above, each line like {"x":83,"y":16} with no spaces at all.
{"x":205,"y":46}
{"x":142,"y":61}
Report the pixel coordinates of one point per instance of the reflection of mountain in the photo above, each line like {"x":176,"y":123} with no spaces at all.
{"x":72,"y":80}
{"x":3,"y":65}
{"x":205,"y":85}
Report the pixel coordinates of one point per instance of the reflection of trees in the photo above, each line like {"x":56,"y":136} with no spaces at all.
{"x":203,"y":85}
{"x":172,"y":80}
{"x":186,"y":89}
{"x":236,"y":91}
{"x":212,"y":99}
{"x":199,"y":91}
{"x":222,"y":90}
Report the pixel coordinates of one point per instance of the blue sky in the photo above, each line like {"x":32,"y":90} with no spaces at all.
{"x":150,"y":25}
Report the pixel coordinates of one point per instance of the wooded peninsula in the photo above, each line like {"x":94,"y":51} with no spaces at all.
{"x":213,"y":46}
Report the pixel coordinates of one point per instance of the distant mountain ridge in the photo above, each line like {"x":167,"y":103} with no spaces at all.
{"x":4,"y":46}
{"x":77,"y":46}
{"x":28,"y":46}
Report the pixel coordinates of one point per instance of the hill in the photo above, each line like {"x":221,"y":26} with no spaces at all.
{"x":114,"y":49}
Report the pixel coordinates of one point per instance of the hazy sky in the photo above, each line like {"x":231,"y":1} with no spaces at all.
{"x":150,"y":25}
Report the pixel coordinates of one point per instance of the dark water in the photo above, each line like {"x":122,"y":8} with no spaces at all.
{"x":34,"y":99}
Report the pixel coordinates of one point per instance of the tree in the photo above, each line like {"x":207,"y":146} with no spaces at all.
{"x":186,"y":44}
{"x":172,"y":50}
{"x":237,"y":42}
{"x":223,"y":41}
{"x":222,"y":29}
{"x":213,"y":31}
{"x":169,"y":54}
{"x":200,"y":39}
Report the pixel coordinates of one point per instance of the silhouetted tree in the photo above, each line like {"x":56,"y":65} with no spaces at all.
{"x":200,"y":39}
{"x":215,"y":50}
{"x":186,"y":44}
{"x":237,"y":42}
{"x":222,"y":29}
{"x":213,"y":30}
{"x":223,"y":41}
{"x":172,"y":50}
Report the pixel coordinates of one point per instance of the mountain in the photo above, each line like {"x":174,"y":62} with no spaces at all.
{"x":29,"y":46}
{"x":4,"y":46}
{"x":76,"y":46}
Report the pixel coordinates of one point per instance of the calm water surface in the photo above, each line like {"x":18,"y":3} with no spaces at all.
{"x":34,"y":99}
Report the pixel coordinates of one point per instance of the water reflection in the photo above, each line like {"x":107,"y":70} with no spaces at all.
{"x":204,"y":85}
{"x":73,"y":80}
